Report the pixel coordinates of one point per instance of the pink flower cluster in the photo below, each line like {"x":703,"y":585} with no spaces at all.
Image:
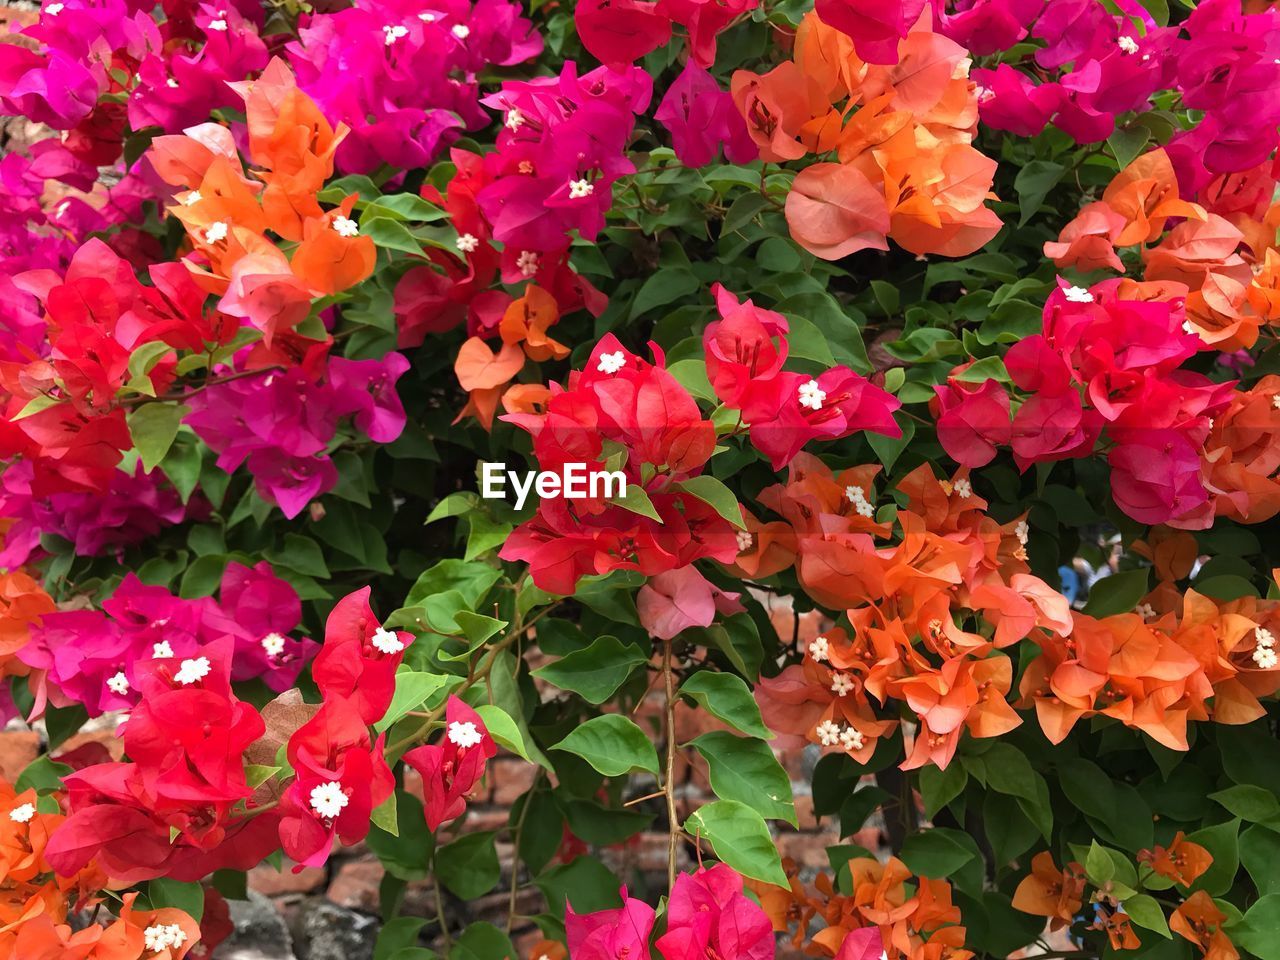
{"x":100,"y":658}
{"x":1220,"y":61}
{"x":403,"y":76}
{"x":1104,"y":362}
{"x":282,"y":423}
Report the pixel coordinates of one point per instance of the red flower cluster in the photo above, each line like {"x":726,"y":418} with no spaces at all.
{"x":175,"y":809}
{"x":61,"y":409}
{"x":621,"y":413}
{"x":746,"y":349}
{"x":451,"y":768}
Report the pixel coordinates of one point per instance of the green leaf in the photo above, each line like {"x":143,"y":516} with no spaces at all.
{"x":1145,"y":911}
{"x":391,"y":235}
{"x":1248,"y":802}
{"x":668,"y":284}
{"x":412,"y":690}
{"x":715,"y":494}
{"x":1098,"y":865}
{"x":1118,"y":593}
{"x":397,"y":934}
{"x":1260,"y":856}
{"x":469,"y":866}
{"x":934,"y":853}
{"x":727,"y":697}
{"x":1033,"y":183}
{"x":745,"y":769}
{"x":482,"y":941}
{"x":505,"y":732}
{"x":42,"y":774}
{"x":384,"y":815}
{"x":596,"y":672}
{"x":1127,"y":143}
{"x":1260,"y":931}
{"x":407,"y":852}
{"x":637,"y":501}
{"x":613,"y":745}
{"x":940,"y":787}
{"x":585,"y":883}
{"x":153,"y":427}
{"x":187,"y":897}
{"x":740,"y":838}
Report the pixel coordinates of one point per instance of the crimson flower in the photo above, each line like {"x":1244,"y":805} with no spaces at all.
{"x":451,"y":768}
{"x":359,"y":657}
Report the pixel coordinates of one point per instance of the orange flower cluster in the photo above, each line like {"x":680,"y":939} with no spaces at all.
{"x":486,"y":375}
{"x":33,"y":900}
{"x":1199,"y":920}
{"x":902,"y":136}
{"x":1156,"y":672}
{"x":1049,"y":892}
{"x":229,"y":215}
{"x":1221,"y":259}
{"x":22,"y":603}
{"x":915,"y":915}
{"x":951,"y":567}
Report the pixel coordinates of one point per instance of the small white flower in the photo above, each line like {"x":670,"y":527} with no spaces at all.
{"x":219,"y":25}
{"x":527,"y":263}
{"x":171,"y":83}
{"x":819,"y":648}
{"x":328,"y":800}
{"x":580,"y":188}
{"x":515,"y":120}
{"x":273,"y":644}
{"x":1078,"y":295}
{"x":744,"y":540}
{"x":1275,"y":400}
{"x":23,"y":813}
{"x":161,"y":651}
{"x":427,"y":17}
{"x":841,"y":684}
{"x":393,"y":32}
{"x":216,"y":231}
{"x":467,"y":243}
{"x":190,"y":671}
{"x":386,"y":641}
{"x":163,"y":936}
{"x":1264,"y":637}
{"x":1265,"y":657}
{"x":461,"y":31}
{"x":345,"y":227}
{"x":1145,"y":610}
{"x":192,"y":198}
{"x":54,"y":9}
{"x":464,"y":734}
{"x":1127,"y":44}
{"x":812,"y":395}
{"x":119,"y":684}
{"x":1022,"y":532}
{"x":1146,"y":56}
{"x":963,"y":489}
{"x":828,"y":733}
{"x":1187,"y":327}
{"x":611,"y":362}
{"x":851,"y":739}
{"x":854,"y":494}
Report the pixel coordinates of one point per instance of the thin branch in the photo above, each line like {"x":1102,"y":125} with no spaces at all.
{"x":669,"y":781}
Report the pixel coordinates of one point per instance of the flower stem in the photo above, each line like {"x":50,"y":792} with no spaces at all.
{"x":669,"y":780}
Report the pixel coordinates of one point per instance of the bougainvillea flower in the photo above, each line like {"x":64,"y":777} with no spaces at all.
{"x":746,"y":346}
{"x":451,"y":768}
{"x":973,"y":419}
{"x":678,"y":599}
{"x":833,"y":210}
{"x":702,"y":118}
{"x":1199,"y":920}
{"x":1049,"y":892}
{"x":339,"y":778}
{"x":359,"y":657}
{"x":1182,"y":861}
{"x":621,"y":31}
{"x":1088,"y":242}
{"x":875,"y":28}
{"x":709,"y":915}
{"x":608,"y":934}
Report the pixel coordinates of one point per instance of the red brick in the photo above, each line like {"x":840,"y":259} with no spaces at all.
{"x":355,"y":885}
{"x":275,"y":883}
{"x":17,"y":749}
{"x":511,"y":779}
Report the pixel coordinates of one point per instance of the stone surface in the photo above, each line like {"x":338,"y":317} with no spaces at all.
{"x":260,"y":932}
{"x":331,"y":932}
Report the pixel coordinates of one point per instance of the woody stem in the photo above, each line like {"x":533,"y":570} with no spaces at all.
{"x":669,"y":780}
